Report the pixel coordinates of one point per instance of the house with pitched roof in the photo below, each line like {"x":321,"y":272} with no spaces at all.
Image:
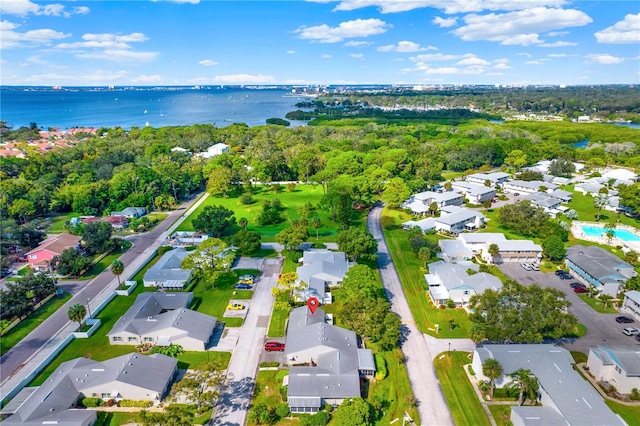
{"x":213,"y":151}
{"x":419,"y":203}
{"x":131,"y":376}
{"x":454,"y":251}
{"x":565,"y":397}
{"x":528,"y":187}
{"x":495,"y":179}
{"x":167,"y":272}
{"x":508,"y":250}
{"x":452,"y":219}
{"x":603,"y":270}
{"x":131,"y":212}
{"x":321,"y":269}
{"x":454,"y":281}
{"x":475,"y":193}
{"x":40,"y":257}
{"x":631,"y":303}
{"x":619,"y":365}
{"x":326,"y":362}
{"x":162,"y":319}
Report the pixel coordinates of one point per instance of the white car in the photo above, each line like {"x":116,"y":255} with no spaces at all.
{"x":527,"y":267}
{"x":535,"y":267}
{"x":631,"y":331}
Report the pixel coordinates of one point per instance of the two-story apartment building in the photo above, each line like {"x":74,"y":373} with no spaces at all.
{"x":495,"y":179}
{"x":528,"y":187}
{"x":476,"y":194}
{"x":599,"y":268}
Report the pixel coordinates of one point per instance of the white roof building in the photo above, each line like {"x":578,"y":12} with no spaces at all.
{"x":213,"y":151}
{"x":453,"y":281}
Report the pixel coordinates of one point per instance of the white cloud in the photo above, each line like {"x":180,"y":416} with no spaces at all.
{"x":119,"y":55}
{"x":558,"y":55}
{"x":537,"y":61}
{"x":448,"y":6}
{"x":528,"y":55}
{"x":354,"y":43}
{"x":557,"y":33}
{"x":291,"y":52}
{"x":147,"y":79}
{"x":473,"y":60}
{"x":431,"y":57}
{"x":625,"y":31}
{"x":405,"y":47}
{"x":348,"y":29}
{"x":208,"y":62}
{"x":25,"y":7}
{"x":520,"y":27}
{"x":357,"y":56}
{"x":558,"y":44}
{"x":445,"y":22}
{"x":604,"y":59}
{"x":98,"y":78}
{"x":244,"y":79}
{"x":502,"y":66}
{"x":11,"y":39}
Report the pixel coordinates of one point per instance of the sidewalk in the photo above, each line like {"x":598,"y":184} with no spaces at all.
{"x":40,"y":359}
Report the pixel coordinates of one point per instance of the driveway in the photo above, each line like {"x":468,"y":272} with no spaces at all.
{"x":601,"y":328}
{"x":432,"y":406}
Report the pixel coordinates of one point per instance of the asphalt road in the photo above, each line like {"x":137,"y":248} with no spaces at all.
{"x":432,"y":406}
{"x":27,"y":347}
{"x":601,"y":328}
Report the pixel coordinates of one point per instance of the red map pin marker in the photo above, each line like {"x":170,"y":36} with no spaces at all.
{"x":312,"y":304}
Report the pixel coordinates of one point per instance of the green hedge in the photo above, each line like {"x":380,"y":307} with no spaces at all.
{"x":134,"y":403}
{"x":92,"y":402}
{"x":381,"y":367}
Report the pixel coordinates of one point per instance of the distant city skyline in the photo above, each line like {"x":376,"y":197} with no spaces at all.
{"x":423,"y":42}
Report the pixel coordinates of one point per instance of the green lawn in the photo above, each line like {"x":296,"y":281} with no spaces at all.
{"x":278,"y":319}
{"x":57,"y":224}
{"x":587,"y":211}
{"x":597,"y":304}
{"x":27,"y":325}
{"x":630,"y":414}
{"x":116,"y":418}
{"x":463,"y":402}
{"x":501,"y":414}
{"x":290,"y":201}
{"x":409,"y":267}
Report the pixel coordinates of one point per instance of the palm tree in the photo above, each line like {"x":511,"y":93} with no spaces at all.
{"x":610,"y":234}
{"x":492,"y":369}
{"x":117,"y":268}
{"x":315,"y":222}
{"x":527,"y":383}
{"x":605,"y":298}
{"x":494,"y":249}
{"x":77,"y":313}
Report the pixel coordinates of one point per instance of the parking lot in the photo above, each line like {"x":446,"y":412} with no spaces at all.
{"x":601,"y":328}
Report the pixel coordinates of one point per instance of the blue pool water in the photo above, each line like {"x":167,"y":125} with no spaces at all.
{"x":623,"y":234}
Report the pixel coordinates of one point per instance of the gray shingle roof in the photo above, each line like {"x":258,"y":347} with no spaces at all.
{"x":168,"y":267}
{"x":627,"y":357}
{"x":598,"y":263}
{"x":574,"y":398}
{"x":542,"y":199}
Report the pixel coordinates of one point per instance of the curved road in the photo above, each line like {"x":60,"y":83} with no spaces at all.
{"x":432,"y":405}
{"x":14,"y":359}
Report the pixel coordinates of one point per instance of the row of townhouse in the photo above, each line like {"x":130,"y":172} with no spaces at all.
{"x":452,"y":219}
{"x":604,"y":271}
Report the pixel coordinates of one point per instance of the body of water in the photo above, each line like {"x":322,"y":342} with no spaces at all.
{"x":140,"y":107}
{"x":622,"y":234}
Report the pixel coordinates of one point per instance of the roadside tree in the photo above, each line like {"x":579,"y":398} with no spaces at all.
{"x":200,"y":386}
{"x":553,"y":247}
{"x":246,"y":242}
{"x":96,"y":236}
{"x":209,"y":258}
{"x":357,"y":242}
{"x":77,"y":313}
{"x":395,"y":192}
{"x":117,"y":268}
{"x":293,"y":236}
{"x":70,"y":262}
{"x":214,"y":220}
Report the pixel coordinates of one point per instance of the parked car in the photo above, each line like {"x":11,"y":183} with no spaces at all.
{"x":577,"y":284}
{"x":580,"y":290}
{"x":535,"y":267}
{"x":631,"y":331}
{"x":245,"y":281}
{"x":247,"y":277}
{"x":624,"y":320}
{"x":235,"y":307}
{"x":638,"y":337}
{"x":516,"y":194}
{"x":241,"y":286}
{"x":274,"y":346}
{"x":526,"y":267}
{"x":566,"y":276}
{"x":493,"y":200}
{"x":560,"y":272}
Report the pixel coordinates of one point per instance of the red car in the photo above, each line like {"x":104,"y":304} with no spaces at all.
{"x":274,"y":346}
{"x":580,"y":290}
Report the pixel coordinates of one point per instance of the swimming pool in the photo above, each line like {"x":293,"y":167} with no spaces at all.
{"x":622,"y":234}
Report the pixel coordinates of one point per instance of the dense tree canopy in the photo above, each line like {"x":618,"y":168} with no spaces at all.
{"x":214,"y":220}
{"x":357,"y":242}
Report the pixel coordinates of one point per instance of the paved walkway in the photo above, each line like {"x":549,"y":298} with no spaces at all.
{"x":233,"y":404}
{"x":24,"y":361}
{"x":432,"y":406}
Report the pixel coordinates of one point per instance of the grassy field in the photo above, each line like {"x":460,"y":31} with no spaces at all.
{"x":501,"y":414}
{"x":409,"y":267}
{"x":97,"y":347}
{"x":597,"y":304}
{"x":27,"y":325}
{"x":587,"y":211}
{"x":290,"y":201}
{"x":116,"y":418}
{"x":57,"y":222}
{"x":463,"y":402}
{"x":630,"y":414}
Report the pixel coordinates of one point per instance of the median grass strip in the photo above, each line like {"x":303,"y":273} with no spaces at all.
{"x":597,"y":304}
{"x":411,"y":276}
{"x":463,"y":402}
{"x":27,"y":325}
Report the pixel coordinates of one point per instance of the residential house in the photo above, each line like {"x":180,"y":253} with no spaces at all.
{"x":454,"y":281}
{"x":419,"y":203}
{"x":618,"y":365}
{"x":188,"y":238}
{"x":117,"y":222}
{"x":475,"y":194}
{"x":40,"y":257}
{"x":213,"y":151}
{"x":564,"y":196}
{"x":132,"y":376}
{"x":326,"y":362}
{"x":528,"y":187}
{"x":508,"y":250}
{"x":167,"y":272}
{"x":496,"y":179}
{"x":454,"y":251}
{"x":321,"y":269}
{"x":452,"y":219}
{"x":565,"y":397}
{"x":620,"y":174}
{"x":131,"y":212}
{"x":598,"y":267}
{"x":631,"y":303}
{"x":544,"y":200}
{"x":162,"y":319}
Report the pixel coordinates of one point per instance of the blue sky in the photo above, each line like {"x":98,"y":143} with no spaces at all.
{"x":422,"y":42}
